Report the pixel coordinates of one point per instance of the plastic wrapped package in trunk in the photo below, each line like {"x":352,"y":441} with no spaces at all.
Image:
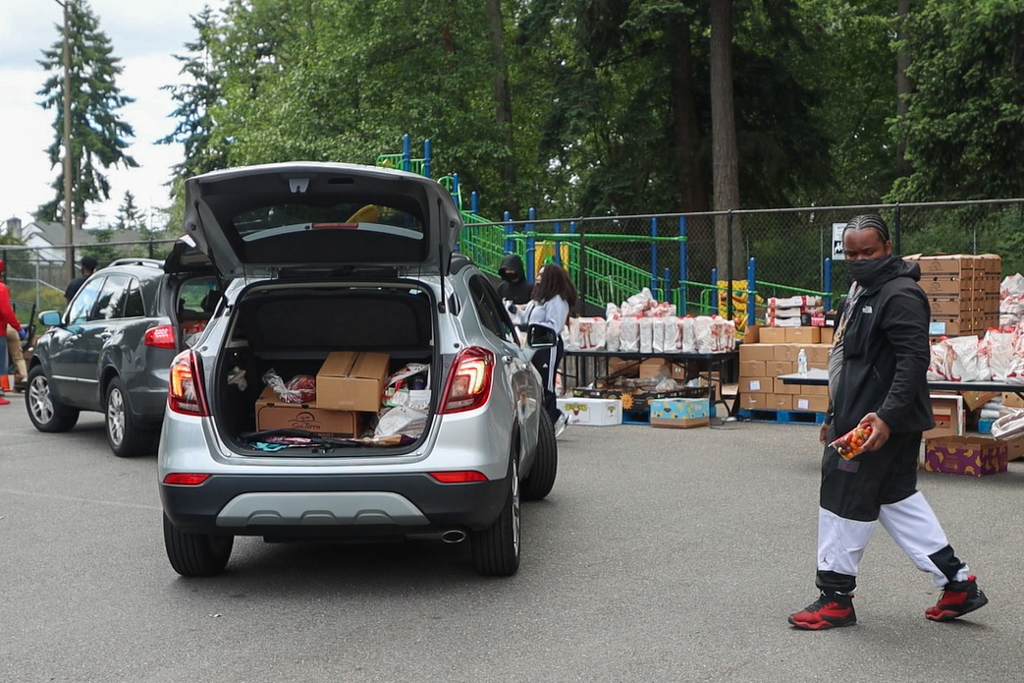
{"x":292,"y":328}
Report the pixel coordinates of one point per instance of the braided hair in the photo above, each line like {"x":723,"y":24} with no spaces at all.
{"x":869,"y":221}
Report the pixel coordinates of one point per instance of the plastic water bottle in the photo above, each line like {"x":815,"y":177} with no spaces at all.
{"x":801,"y":362}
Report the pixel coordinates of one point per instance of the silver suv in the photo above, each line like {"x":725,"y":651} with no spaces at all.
{"x":326,"y":259}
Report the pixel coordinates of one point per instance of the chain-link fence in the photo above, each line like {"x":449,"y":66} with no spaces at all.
{"x":685,"y":258}
{"x":681,"y":258}
{"x":38,"y":276}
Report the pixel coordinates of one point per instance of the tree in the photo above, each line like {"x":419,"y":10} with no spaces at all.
{"x":98,"y":135}
{"x":964,"y":126}
{"x":725,"y":159}
{"x":197,"y":100}
{"x":128,"y":215}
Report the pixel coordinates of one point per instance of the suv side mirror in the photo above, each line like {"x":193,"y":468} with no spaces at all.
{"x":541,"y":337}
{"x":50,"y":318}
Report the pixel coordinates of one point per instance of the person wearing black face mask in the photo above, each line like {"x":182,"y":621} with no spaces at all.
{"x":878,"y":376}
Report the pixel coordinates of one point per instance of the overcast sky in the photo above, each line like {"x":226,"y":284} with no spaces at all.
{"x":144,"y":34}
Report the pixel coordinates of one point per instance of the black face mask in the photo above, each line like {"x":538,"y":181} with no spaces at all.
{"x":866,"y":271}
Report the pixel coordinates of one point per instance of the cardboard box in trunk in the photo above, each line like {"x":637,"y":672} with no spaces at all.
{"x":273,"y":413}
{"x":352,"y":381}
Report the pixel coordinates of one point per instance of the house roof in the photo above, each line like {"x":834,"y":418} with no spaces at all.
{"x":54,"y":234}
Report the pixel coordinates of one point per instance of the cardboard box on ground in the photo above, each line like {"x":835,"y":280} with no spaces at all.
{"x":591,"y":412}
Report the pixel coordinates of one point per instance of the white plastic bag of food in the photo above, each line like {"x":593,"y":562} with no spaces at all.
{"x":937,"y":362}
{"x":704,"y":340}
{"x":658,"y":335}
{"x":613,"y":334}
{"x":629,"y":337}
{"x":688,"y":334}
{"x":592,"y":333}
{"x":997,"y":352}
{"x":962,"y":363}
{"x":401,"y":420}
{"x":638,"y":303}
{"x":673,"y":337}
{"x":646,"y":329}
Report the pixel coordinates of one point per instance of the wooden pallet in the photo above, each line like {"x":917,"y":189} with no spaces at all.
{"x":782,"y":416}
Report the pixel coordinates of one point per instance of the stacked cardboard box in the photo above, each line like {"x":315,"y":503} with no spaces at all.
{"x":963,"y":291}
{"x":760,"y":366}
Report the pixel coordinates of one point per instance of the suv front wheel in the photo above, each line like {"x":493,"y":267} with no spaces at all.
{"x":45,"y":411}
{"x":125,"y":435}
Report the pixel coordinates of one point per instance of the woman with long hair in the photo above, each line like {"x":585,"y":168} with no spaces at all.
{"x":553,"y":298}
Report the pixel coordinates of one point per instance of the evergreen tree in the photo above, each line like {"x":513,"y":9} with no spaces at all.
{"x":196,"y":101}
{"x":128,"y":215}
{"x":99,"y":138}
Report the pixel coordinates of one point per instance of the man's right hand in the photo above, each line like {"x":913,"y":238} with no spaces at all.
{"x":823,"y":434}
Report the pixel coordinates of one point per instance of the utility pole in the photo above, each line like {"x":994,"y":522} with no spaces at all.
{"x":69,"y":234}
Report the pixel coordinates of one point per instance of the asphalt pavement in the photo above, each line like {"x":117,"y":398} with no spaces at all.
{"x":660,"y":555}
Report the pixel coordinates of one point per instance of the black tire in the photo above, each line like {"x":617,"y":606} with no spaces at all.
{"x":496,"y":549}
{"x":44,"y":410}
{"x":125,"y":435}
{"x":196,"y":554}
{"x":541,"y":479}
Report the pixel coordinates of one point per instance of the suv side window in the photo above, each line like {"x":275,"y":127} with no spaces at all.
{"x":134,"y":305}
{"x":110,"y":303}
{"x":488,"y":306}
{"x":82,"y":305}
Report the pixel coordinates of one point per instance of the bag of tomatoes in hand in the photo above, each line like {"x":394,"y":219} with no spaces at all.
{"x":851,"y":444}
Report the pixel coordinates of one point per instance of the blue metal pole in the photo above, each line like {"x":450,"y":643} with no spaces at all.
{"x":456,"y":194}
{"x":826,"y":286}
{"x":684,"y":289}
{"x":752,"y":293}
{"x":406,"y":153}
{"x":666,"y":286}
{"x":508,"y":233}
{"x":531,"y":246}
{"x":654,"y":255}
{"x":474,"y":202}
{"x":426,"y":157}
{"x":558,"y":245}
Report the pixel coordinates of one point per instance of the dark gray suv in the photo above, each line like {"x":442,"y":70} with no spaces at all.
{"x":111,"y":349}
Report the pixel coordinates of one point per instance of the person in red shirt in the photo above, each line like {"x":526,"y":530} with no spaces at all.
{"x":7,"y":317}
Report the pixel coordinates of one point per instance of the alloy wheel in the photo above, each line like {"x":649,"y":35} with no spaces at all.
{"x":39,"y":399}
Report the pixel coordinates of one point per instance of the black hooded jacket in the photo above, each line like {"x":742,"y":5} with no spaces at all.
{"x":514,"y":287}
{"x":886,"y":354}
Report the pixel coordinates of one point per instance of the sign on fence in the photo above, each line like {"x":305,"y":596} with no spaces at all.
{"x":837,"y":242}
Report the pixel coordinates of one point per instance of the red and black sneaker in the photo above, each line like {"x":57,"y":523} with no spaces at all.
{"x":958,"y":598}
{"x":825,"y":613}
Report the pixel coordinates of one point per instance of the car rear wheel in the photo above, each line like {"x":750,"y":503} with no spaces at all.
{"x":196,"y":554}
{"x":124,"y":434}
{"x":541,"y":479}
{"x":496,"y":549}
{"x":44,"y":410}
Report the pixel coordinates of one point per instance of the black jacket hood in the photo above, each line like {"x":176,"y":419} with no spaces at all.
{"x":893,"y":268}
{"x":515,"y":264}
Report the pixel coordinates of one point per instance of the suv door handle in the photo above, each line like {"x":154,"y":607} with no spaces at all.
{"x":105,"y":335}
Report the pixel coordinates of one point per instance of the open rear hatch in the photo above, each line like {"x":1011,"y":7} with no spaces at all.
{"x":314,"y":218}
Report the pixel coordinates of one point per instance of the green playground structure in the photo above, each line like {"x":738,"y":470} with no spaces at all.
{"x":599,"y":276}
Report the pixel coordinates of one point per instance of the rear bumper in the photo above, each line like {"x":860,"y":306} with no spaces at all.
{"x":336,"y":506}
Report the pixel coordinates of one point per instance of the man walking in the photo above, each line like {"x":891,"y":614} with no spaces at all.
{"x":878,"y":377}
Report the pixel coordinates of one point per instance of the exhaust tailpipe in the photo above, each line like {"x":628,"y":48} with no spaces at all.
{"x":453,"y":536}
